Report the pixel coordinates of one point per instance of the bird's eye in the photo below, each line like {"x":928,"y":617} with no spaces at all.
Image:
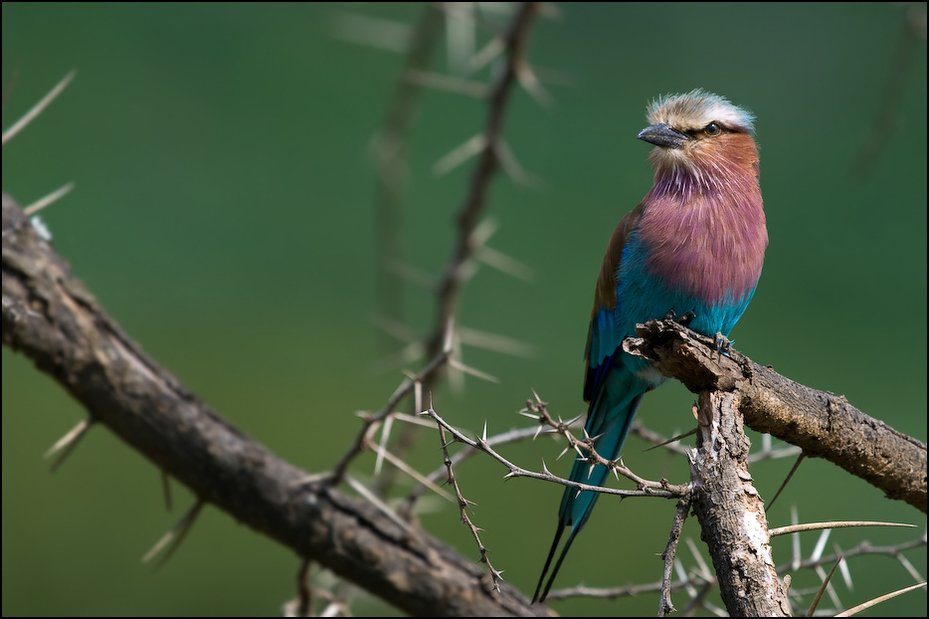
{"x":713,"y":129}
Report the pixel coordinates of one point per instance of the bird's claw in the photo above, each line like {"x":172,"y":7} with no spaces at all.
{"x":683,"y":320}
{"x":722,"y":344}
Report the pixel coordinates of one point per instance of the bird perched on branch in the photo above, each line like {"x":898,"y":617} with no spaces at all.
{"x":694,"y":246}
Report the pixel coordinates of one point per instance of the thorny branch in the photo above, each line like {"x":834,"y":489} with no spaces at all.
{"x":49,"y":316}
{"x":463,"y":505}
{"x":665,"y":607}
{"x":514,"y":43}
{"x":438,"y":345}
{"x":661,"y":489}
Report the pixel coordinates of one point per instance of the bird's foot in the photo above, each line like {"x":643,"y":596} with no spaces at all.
{"x":722,"y":344}
{"x":684,"y":320}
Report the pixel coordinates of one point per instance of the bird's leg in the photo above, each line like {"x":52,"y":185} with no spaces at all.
{"x":722,"y":344}
{"x":686,"y":319}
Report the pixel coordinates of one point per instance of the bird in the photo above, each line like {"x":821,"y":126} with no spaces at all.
{"x":693,"y":248}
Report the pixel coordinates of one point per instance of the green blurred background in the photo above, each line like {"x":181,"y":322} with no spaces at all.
{"x":223,"y":214}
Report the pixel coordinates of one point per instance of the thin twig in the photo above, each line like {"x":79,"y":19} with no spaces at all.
{"x":405,"y":388}
{"x":665,"y":607}
{"x":648,"y":488}
{"x":463,"y":506}
{"x":457,"y":268}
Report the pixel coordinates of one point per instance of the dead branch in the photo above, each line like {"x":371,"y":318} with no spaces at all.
{"x":822,"y":424}
{"x":50,"y":316}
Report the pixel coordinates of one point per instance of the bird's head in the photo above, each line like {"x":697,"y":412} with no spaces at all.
{"x":698,"y":133}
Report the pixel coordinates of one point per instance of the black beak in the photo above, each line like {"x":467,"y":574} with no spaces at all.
{"x":663,"y":135}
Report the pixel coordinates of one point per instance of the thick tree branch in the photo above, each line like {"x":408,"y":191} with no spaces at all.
{"x":49,"y":316}
{"x":822,"y":424}
{"x":731,"y":513}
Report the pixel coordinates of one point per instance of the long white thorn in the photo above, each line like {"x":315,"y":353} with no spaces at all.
{"x":37,"y":109}
{"x":48,"y":200}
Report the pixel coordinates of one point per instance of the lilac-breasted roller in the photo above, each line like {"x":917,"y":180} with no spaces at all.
{"x":694,"y":245}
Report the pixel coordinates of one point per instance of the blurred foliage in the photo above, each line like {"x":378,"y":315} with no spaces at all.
{"x":223,"y":214}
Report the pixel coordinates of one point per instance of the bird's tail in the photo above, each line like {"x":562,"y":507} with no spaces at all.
{"x":609,"y":425}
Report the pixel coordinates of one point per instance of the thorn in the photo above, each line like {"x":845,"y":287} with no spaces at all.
{"x":415,"y":276}
{"x":403,"y":466}
{"x":407,"y":354}
{"x":484,"y":434}
{"x":177,"y":534}
{"x":820,"y":545}
{"x":843,"y":568}
{"x":449,"y":340}
{"x":454,"y":363}
{"x":385,"y":34}
{"x":36,"y":109}
{"x":495,"y":342}
{"x":787,"y":479}
{"x":483,"y":57}
{"x":505,"y":264}
{"x":483,"y":232}
{"x":382,"y":446}
{"x":822,"y":589}
{"x":447,"y":83}
{"x":510,"y":165}
{"x":48,"y":200}
{"x":857,"y":609}
{"x":528,"y":80}
{"x":414,"y":418}
{"x":69,"y":441}
{"x":676,"y":438}
{"x":472,"y":147}
{"x":418,"y":396}
{"x":573,"y":420}
{"x":376,"y":502}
